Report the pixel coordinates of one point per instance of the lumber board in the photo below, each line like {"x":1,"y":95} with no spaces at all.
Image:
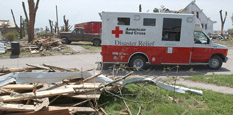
{"x":16,"y":107}
{"x":19,"y":87}
{"x":84,"y":86}
{"x":85,"y":96}
{"x":72,"y":109}
{"x":38,"y":94}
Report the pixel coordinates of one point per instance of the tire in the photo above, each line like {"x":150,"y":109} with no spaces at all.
{"x":215,"y":63}
{"x":138,"y":62}
{"x":96,"y":42}
{"x":65,"y":40}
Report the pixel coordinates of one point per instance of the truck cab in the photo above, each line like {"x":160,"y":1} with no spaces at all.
{"x":138,"y":39}
{"x":78,"y":34}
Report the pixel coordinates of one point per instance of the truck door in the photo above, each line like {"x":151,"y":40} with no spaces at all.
{"x":77,"y":35}
{"x":201,"y":50}
{"x":174,"y":53}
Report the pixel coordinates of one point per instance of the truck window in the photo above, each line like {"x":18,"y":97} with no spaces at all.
{"x":171,"y":29}
{"x":149,"y":22}
{"x":200,"y":38}
{"x":123,"y":21}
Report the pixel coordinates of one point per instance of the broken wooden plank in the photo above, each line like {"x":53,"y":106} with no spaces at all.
{"x":53,"y":112}
{"x":85,"y":96}
{"x":10,"y":70}
{"x":58,"y":68}
{"x":39,"y":94}
{"x":16,"y":107}
{"x":18,"y":87}
{"x":72,"y":109}
{"x":85,"y":86}
{"x":39,"y":67}
{"x":90,"y":78}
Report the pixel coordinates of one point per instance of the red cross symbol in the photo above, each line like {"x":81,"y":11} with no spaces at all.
{"x":117,"y":32}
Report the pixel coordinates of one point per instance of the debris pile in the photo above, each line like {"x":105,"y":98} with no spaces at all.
{"x":46,"y":43}
{"x":50,"y":89}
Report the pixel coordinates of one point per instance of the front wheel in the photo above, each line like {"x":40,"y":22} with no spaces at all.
{"x":138,"y":62}
{"x":96,"y":42}
{"x":215,"y":63}
{"x":65,"y":41}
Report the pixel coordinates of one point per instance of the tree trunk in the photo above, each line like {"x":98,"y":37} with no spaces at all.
{"x":32,"y":15}
{"x":51,"y":26}
{"x":222,"y":21}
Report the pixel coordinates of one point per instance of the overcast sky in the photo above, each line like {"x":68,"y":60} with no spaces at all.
{"x":78,"y":11}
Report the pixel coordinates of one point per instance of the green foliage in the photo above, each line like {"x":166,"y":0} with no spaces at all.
{"x":156,"y":10}
{"x":225,"y":80}
{"x":11,"y":35}
{"x":211,"y":103}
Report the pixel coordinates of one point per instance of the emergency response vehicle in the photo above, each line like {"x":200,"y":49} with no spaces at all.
{"x":156,"y":38}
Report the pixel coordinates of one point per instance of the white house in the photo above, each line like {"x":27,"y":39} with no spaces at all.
{"x":206,"y":22}
{"x":192,"y":8}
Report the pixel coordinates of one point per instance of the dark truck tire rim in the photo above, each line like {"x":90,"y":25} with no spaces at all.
{"x":138,"y":62}
{"x":215,"y":63}
{"x":96,"y":42}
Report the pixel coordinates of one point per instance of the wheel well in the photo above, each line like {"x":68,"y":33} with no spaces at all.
{"x":96,"y":39}
{"x":139,"y":54}
{"x":64,"y":37}
{"x":220,"y":55}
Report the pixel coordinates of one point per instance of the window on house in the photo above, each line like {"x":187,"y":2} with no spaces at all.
{"x":197,"y":14}
{"x":192,"y":12}
{"x":171,"y":29}
{"x":123,"y":21}
{"x":202,"y":25}
{"x":149,"y":22}
{"x":206,"y":26}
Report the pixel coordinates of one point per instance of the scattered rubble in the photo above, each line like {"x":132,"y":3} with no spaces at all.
{"x":50,"y":89}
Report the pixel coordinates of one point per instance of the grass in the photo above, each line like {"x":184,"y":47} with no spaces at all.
{"x":211,"y":103}
{"x":228,"y":42}
{"x":222,"y":80}
{"x":88,"y":45}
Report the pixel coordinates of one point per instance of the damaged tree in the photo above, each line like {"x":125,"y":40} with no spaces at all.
{"x":51,"y":26}
{"x":21,"y":28}
{"x":222,"y":21}
{"x":67,"y":27}
{"x":140,"y":8}
{"x":32,"y":15}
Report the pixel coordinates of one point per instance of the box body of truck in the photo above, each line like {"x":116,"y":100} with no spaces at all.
{"x":156,"y":38}
{"x":91,"y":27}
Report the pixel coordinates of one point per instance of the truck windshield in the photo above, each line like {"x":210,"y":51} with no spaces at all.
{"x":200,"y":38}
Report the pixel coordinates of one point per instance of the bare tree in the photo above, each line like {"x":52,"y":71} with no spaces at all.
{"x":16,"y":26}
{"x":140,"y":8}
{"x":21,"y":28}
{"x":67,"y":27}
{"x":222,"y":20}
{"x":32,"y":15}
{"x":51,"y":26}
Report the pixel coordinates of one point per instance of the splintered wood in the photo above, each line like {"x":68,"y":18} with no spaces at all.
{"x":69,"y":96}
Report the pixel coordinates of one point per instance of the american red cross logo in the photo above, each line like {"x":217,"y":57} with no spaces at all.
{"x":117,"y":32}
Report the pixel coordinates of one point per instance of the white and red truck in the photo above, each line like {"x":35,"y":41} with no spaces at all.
{"x":138,"y":39}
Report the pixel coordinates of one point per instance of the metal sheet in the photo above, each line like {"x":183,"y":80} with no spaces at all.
{"x":163,"y":85}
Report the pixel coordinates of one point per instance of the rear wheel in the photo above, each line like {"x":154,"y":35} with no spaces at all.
{"x":96,"y":42}
{"x":138,"y":62}
{"x":215,"y":63}
{"x":65,"y":40}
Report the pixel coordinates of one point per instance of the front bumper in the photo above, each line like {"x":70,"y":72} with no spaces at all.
{"x":225,"y":59}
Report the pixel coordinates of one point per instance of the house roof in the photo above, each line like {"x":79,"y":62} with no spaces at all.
{"x":3,"y":22}
{"x":194,"y":3}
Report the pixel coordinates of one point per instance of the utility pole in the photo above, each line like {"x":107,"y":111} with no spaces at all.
{"x":57,"y":26}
